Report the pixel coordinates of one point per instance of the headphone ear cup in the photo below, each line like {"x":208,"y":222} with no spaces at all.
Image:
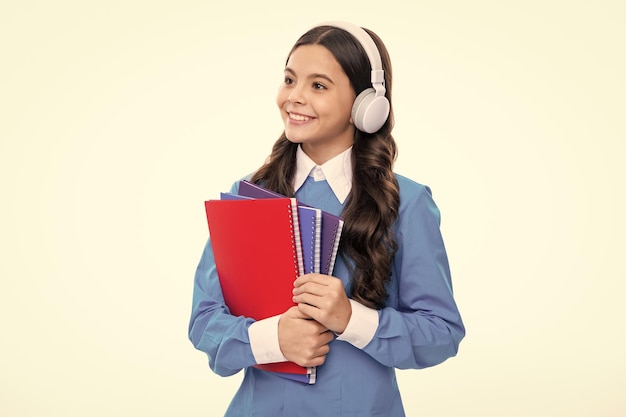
{"x":369,"y":113}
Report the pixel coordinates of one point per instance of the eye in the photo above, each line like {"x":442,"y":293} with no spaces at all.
{"x":319,"y":86}
{"x":288,"y":80}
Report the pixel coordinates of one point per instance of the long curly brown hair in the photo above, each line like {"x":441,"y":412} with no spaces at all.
{"x":372,"y":205}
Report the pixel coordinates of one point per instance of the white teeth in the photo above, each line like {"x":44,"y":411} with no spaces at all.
{"x":298,"y":117}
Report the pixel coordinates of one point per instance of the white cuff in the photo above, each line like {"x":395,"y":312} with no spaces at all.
{"x":263,"y":336}
{"x":361,"y":327}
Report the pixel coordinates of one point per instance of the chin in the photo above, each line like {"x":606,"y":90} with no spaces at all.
{"x":294,"y":138}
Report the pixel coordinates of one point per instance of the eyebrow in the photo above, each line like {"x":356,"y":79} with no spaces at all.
{"x":315,"y":75}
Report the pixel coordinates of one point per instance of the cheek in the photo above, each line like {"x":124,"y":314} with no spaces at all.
{"x":281,"y":97}
{"x":344,"y":110}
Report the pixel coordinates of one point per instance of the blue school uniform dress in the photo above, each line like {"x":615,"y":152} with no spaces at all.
{"x":420,"y":325}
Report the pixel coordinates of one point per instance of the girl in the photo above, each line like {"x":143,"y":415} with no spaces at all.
{"x":390,"y":303}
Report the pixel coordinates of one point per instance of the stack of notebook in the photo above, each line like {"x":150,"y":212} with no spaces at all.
{"x":262,"y":241}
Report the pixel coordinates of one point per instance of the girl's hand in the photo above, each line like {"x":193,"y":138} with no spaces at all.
{"x":323,"y":298}
{"x":302,"y":340}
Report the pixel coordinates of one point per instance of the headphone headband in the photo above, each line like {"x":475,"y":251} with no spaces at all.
{"x":371,"y":107}
{"x":378,"y":74}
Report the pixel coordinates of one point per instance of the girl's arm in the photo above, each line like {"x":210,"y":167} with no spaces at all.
{"x":233,"y":343}
{"x":212,"y":329}
{"x":421,"y":326}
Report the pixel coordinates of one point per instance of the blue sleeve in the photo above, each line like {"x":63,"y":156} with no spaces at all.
{"x":212,"y":329}
{"x":421,"y":325}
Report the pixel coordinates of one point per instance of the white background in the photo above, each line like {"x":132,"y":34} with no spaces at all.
{"x":119,"y":118}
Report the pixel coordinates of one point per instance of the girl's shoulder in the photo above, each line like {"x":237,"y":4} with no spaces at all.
{"x":416,"y":201}
{"x":410,"y":189}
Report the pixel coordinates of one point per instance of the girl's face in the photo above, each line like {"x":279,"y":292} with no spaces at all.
{"x":315,"y":101}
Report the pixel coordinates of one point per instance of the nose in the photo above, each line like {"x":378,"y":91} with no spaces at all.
{"x":296,"y":95}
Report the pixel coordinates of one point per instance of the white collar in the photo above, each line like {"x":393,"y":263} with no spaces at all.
{"x":337,"y":171}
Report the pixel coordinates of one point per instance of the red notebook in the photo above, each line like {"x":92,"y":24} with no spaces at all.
{"x":256,"y":245}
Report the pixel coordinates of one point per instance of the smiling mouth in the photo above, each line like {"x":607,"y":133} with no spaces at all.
{"x":299,"y":117}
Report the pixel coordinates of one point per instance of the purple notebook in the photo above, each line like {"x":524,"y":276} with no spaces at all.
{"x":331,"y":226}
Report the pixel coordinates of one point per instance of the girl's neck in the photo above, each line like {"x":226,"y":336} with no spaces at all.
{"x":322,"y":154}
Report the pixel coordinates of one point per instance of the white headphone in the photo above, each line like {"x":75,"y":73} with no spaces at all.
{"x":371,"y":108}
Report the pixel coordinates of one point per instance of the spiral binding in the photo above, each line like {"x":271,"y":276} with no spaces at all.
{"x":316,"y":225}
{"x":333,"y":256}
{"x":295,"y":228}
